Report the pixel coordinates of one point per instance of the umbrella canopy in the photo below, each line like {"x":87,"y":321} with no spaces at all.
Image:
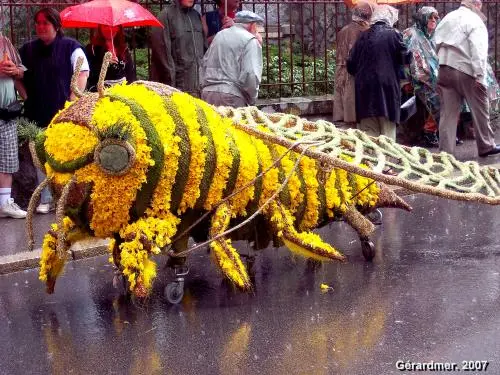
{"x":108,"y":12}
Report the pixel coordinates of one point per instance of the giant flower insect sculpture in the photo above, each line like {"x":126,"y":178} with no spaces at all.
{"x":149,"y":166}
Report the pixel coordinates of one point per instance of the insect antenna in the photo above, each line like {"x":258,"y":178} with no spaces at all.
{"x":102,"y":75}
{"x":74,"y":79}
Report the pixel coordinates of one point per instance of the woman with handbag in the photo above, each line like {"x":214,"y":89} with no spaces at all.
{"x":11,"y":73}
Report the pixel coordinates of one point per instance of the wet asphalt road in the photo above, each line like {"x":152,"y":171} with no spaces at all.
{"x":431,"y":294}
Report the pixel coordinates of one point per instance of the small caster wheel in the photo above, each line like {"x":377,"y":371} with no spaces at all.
{"x":120,"y":283}
{"x":375,"y":217}
{"x":368,"y":248}
{"x":250,"y":261}
{"x":174,"y":292}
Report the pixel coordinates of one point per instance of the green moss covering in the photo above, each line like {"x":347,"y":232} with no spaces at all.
{"x":284,"y":195}
{"x":69,"y":166}
{"x":211,"y":158}
{"x":235,"y":166}
{"x":253,"y":205}
{"x":301,"y":209}
{"x":321,"y":194}
{"x":181,"y":177}
{"x":342,"y":196}
{"x":40,"y":148}
{"x":145,"y":194}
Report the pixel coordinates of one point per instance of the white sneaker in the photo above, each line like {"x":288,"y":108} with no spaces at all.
{"x":11,"y":209}
{"x":44,"y":208}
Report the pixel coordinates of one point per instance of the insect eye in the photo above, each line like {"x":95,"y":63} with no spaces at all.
{"x":114,"y":156}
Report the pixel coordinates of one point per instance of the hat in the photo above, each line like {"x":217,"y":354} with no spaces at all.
{"x":245,"y":16}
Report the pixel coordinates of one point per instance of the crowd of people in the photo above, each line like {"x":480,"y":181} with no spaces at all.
{"x":442,"y":63}
{"x":218,"y":57}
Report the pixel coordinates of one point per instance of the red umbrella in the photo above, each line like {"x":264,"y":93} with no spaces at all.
{"x":108,"y":12}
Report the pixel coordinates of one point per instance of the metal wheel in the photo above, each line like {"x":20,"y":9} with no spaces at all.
{"x":249,"y":260}
{"x":375,"y":217}
{"x":174,"y":292}
{"x":120,"y":283}
{"x":368,"y":248}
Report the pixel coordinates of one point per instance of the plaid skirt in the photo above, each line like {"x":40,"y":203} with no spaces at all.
{"x":9,"y":158}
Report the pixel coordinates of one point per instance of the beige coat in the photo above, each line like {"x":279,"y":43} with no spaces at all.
{"x":344,"y":107}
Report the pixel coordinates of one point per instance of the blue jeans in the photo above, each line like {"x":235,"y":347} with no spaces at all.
{"x":46,"y":197}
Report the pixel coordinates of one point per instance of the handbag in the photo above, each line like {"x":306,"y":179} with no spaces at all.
{"x":408,"y":109}
{"x":13,"y":110}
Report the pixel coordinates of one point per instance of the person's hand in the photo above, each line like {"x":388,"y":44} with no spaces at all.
{"x":8,"y":68}
{"x":227,"y":22}
{"x":258,"y":37}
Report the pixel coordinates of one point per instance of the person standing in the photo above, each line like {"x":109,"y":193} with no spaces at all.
{"x":232,"y":67}
{"x":343,"y":101}
{"x":376,"y":62}
{"x":109,"y":38}
{"x":50,"y":60}
{"x":216,"y":20}
{"x":11,"y":73}
{"x":462,"y":48}
{"x":423,"y":69}
{"x":177,"y":49}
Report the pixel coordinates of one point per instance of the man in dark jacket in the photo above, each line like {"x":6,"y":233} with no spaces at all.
{"x":376,"y":61}
{"x":177,"y":49}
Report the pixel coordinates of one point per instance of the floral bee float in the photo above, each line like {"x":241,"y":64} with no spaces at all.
{"x":149,"y":166}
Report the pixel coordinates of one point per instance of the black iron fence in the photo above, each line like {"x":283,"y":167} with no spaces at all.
{"x":299,"y":37}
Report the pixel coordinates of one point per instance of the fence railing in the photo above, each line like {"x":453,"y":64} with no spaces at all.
{"x":299,"y":37}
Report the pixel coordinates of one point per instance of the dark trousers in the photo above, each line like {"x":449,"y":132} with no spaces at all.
{"x":453,"y":87}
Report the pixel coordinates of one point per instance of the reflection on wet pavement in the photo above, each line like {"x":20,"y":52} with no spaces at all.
{"x":432,"y":293}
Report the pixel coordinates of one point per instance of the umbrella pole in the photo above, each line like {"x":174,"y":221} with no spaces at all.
{"x":225,"y":8}
{"x":112,"y":41}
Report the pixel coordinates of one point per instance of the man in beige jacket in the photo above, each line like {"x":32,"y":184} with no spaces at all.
{"x":462,"y":47}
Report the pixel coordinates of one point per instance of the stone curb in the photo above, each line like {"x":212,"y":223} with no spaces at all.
{"x":86,"y":248}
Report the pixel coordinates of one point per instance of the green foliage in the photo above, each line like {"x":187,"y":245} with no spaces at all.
{"x":26,"y":130}
{"x":301,"y":64}
{"x":141,"y":63}
{"x":295,"y":67}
